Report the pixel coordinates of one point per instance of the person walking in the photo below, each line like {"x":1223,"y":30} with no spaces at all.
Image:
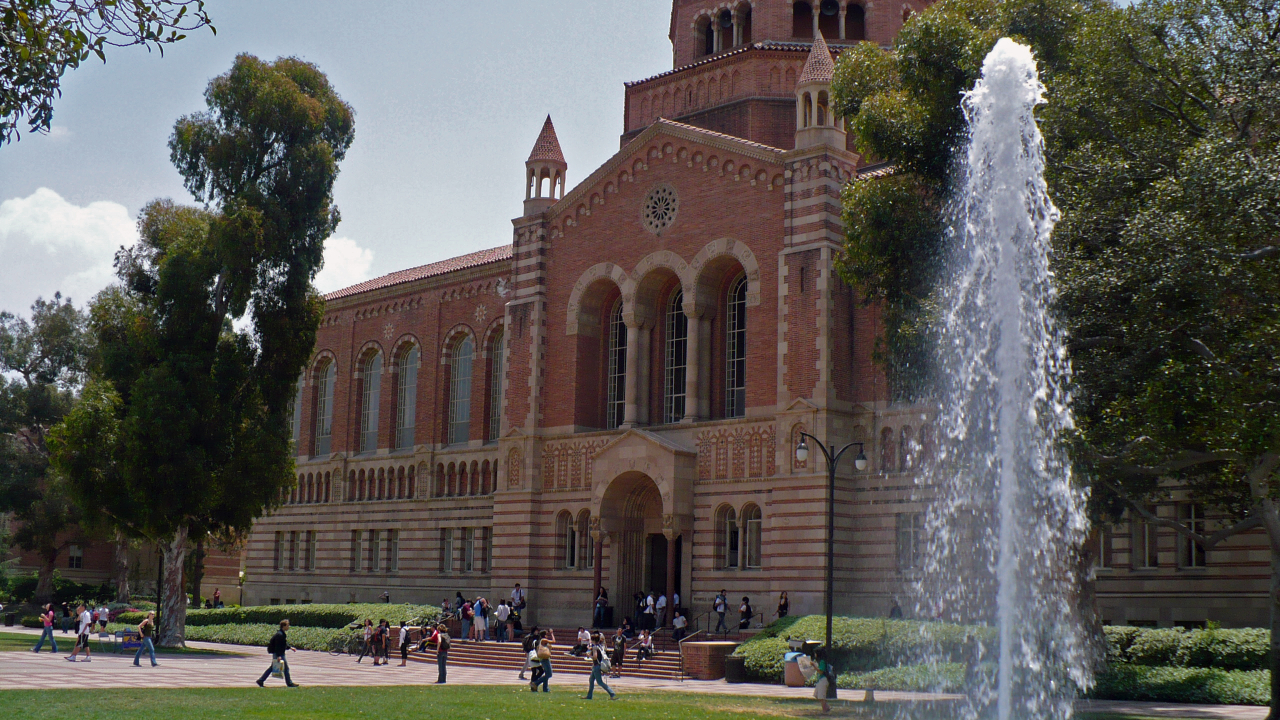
{"x":481,"y":607}
{"x":375,"y":645}
{"x":721,"y":606}
{"x":46,"y":619}
{"x":602,"y":602}
{"x":468,"y":615}
{"x":619,"y":652}
{"x":217,"y":598}
{"x":82,"y":634}
{"x":744,"y":613}
{"x":544,"y":657}
{"x":599,"y":665}
{"x":500,"y":615}
{"x":442,"y":642}
{"x":528,"y":646}
{"x":404,"y":643}
{"x":784,"y":605}
{"x":519,"y":599}
{"x":146,"y":629}
{"x":276,"y":648}
{"x":366,"y":647}
{"x":386,"y":641}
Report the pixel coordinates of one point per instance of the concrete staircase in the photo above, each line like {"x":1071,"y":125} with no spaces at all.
{"x":665,"y":665}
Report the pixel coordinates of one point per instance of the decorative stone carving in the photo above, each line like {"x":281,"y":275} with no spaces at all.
{"x":567,"y":465}
{"x":737,"y":453}
{"x":659,"y":209}
{"x":515,"y":468}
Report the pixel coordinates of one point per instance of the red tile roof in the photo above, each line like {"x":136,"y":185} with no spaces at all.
{"x":484,"y":257}
{"x":775,"y":45}
{"x":818,"y":68}
{"x":548,"y":145}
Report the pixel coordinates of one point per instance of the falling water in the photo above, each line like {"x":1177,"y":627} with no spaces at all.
{"x":1008,"y":520}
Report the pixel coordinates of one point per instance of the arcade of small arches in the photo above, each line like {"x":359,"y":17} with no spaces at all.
{"x":728,"y":26}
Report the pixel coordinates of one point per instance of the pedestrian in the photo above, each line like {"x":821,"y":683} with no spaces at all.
{"x":277,"y":647}
{"x":518,"y":598}
{"x":662,"y":611}
{"x":784,"y":605}
{"x":468,"y":618}
{"x":217,"y":598}
{"x":446,"y":608}
{"x":744,"y":613}
{"x":82,"y":634}
{"x":386,"y":641}
{"x":600,"y":665}
{"x":895,"y":612}
{"x":501,"y":616}
{"x":619,"y":652}
{"x":146,"y":629}
{"x":602,"y":602}
{"x":458,"y":602}
{"x":104,"y":615}
{"x":628,"y":628}
{"x":442,"y":642}
{"x":544,"y":657}
{"x":404,"y":643}
{"x":647,"y":617}
{"x":46,"y":619}
{"x":644,"y":648}
{"x":366,"y":647}
{"x":583,"y":645}
{"x":825,"y":687}
{"x":679,"y":626}
{"x":66,"y":618}
{"x":721,"y":606}
{"x":527,"y":647}
{"x":481,"y":607}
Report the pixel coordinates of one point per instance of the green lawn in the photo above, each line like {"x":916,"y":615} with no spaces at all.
{"x":471,"y":702}
{"x":13,"y":642}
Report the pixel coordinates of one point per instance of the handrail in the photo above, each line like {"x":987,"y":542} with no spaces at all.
{"x":680,"y":647}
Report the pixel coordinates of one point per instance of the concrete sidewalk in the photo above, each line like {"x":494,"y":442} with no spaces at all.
{"x":49,"y":671}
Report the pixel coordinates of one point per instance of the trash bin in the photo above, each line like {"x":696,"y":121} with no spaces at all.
{"x":791,"y":669}
{"x":735,"y":669}
{"x":10,"y":619}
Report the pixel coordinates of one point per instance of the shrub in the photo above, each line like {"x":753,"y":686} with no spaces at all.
{"x":1156,"y":646}
{"x":1242,"y":649}
{"x":763,"y":658}
{"x":303,"y":638}
{"x":946,"y":677}
{"x":323,"y":616}
{"x":131,"y":618}
{"x":1184,"y":685}
{"x":32,"y":621}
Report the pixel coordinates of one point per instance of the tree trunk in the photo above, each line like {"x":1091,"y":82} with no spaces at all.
{"x":44,"y":581}
{"x":197,"y":572}
{"x":173,"y":598}
{"x":121,"y":568}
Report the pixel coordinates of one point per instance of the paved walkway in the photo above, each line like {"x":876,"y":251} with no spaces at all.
{"x":48,"y":671}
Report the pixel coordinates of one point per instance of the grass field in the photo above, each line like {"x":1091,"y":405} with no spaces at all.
{"x":14,"y":642}
{"x":392,"y":703}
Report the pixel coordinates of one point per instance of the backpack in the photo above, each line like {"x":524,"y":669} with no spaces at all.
{"x":606,"y":665}
{"x":444,"y":643}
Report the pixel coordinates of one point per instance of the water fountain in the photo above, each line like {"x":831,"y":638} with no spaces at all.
{"x":1006,"y":518}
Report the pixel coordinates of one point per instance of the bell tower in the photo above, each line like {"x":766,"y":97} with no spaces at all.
{"x":815,"y":124}
{"x":544,"y":172}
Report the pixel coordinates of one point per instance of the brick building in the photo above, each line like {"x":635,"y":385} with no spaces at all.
{"x":613,"y":399}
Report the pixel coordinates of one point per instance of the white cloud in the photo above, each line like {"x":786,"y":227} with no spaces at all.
{"x":345,"y":264}
{"x":59,"y":132}
{"x":48,"y":244}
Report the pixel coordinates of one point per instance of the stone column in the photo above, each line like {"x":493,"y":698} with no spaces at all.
{"x":631,"y":391}
{"x":597,"y":538}
{"x":644,"y":338}
{"x":715,"y":32}
{"x":817,"y":12}
{"x":669,"y":531}
{"x":692,"y":369}
{"x":843,"y":11}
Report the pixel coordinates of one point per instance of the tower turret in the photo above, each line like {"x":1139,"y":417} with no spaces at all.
{"x":544,"y":172}
{"x":815,"y":125}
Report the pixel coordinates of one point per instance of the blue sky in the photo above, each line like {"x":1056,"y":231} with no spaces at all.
{"x":449,"y":98}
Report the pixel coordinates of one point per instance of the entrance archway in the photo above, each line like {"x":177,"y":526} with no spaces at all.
{"x":632,"y":511}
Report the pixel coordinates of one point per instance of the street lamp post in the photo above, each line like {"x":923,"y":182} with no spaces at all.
{"x":859,"y":462}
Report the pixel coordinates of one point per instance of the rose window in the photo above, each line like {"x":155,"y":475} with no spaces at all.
{"x":659,"y":209}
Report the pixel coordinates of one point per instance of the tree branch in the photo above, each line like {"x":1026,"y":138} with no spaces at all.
{"x":1208,"y":542}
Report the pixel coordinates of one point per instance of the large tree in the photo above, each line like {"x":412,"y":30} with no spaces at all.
{"x":41,"y":39}
{"x":182,"y":430}
{"x":1161,"y":134}
{"x":45,"y":357}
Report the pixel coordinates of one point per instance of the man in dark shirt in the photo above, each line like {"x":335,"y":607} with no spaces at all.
{"x":277,"y":647}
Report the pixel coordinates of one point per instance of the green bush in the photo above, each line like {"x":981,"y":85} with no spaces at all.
{"x":303,"y":638}
{"x":321,"y":616}
{"x":1184,"y":685}
{"x":763,"y":658}
{"x":1242,"y":649}
{"x":131,"y":618}
{"x":947,"y":677}
{"x":32,"y":621}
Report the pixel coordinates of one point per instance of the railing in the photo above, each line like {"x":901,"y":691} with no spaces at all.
{"x":680,"y":648}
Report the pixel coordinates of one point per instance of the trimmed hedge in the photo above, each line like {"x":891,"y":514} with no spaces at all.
{"x":320,"y":616}
{"x":303,"y":638}
{"x":947,"y":677}
{"x":1242,"y":649}
{"x":1183,"y":685}
{"x":32,"y":621}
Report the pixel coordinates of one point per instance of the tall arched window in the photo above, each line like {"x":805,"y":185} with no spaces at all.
{"x":616,"y":379}
{"x":406,"y":397}
{"x":802,"y":20}
{"x":755,"y":533}
{"x":906,"y":449}
{"x":735,"y":376}
{"x":496,"y":374}
{"x":586,"y":543}
{"x":371,"y":378}
{"x":855,"y":23}
{"x":727,"y":537}
{"x":460,"y":391}
{"x":295,"y":413}
{"x":324,"y":408}
{"x":568,"y":534}
{"x":887,"y":447}
{"x":676,"y":341}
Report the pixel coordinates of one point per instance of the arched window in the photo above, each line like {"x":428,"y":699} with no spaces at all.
{"x":295,"y":413}
{"x":496,"y":374}
{"x":906,"y":449}
{"x":460,"y":391}
{"x":616,"y":377}
{"x":567,"y":532}
{"x":328,"y":485}
{"x":744,"y":24}
{"x":829,"y":19}
{"x":412,"y":485}
{"x":755,"y":532}
{"x":735,"y":375}
{"x":822,"y":112}
{"x":802,"y":20}
{"x":360,"y":494}
{"x":406,"y":397}
{"x":707,"y":31}
{"x":808,"y":120}
{"x":586,"y":543}
{"x":371,"y":395}
{"x":887,"y":446}
{"x":855,"y":23}
{"x":324,"y":408}
{"x":677,"y":338}
{"x":727,"y":537}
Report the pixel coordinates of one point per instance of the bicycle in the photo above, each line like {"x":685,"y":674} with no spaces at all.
{"x":345,"y":645}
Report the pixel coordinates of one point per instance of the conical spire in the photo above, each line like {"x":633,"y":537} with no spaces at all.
{"x":818,"y":68}
{"x":548,"y":146}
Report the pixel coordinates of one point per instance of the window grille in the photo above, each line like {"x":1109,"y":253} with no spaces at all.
{"x":910,"y":538}
{"x":356,"y":549}
{"x":615,"y":402}
{"x":406,"y":398}
{"x":735,"y":377}
{"x":468,"y":549}
{"x":324,"y":409}
{"x":755,"y":532}
{"x":1192,"y":553}
{"x":446,"y":550}
{"x":460,"y":391}
{"x":374,"y":539}
{"x":372,"y":379}
{"x":496,"y":375}
{"x":676,"y":355}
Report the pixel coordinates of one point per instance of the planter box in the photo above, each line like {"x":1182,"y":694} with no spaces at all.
{"x":705,"y":660}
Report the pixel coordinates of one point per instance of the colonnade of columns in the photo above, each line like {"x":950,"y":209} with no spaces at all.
{"x":697,"y":378}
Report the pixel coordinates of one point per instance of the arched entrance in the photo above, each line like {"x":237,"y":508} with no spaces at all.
{"x":631,"y":511}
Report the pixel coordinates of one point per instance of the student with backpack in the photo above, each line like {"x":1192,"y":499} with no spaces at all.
{"x":600,"y":665}
{"x":276,"y":648}
{"x":442,"y":642}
